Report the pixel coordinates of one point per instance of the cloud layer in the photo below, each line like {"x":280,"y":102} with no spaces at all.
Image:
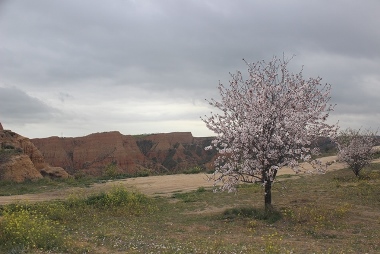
{"x":76,"y":67}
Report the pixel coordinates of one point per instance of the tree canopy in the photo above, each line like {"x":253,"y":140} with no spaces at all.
{"x":265,"y":122}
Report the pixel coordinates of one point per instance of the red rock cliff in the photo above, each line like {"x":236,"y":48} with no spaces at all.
{"x":12,"y":140}
{"x":20,"y":159}
{"x":92,"y":153}
{"x":168,"y":152}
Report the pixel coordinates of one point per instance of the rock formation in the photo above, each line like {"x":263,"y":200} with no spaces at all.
{"x":91,"y":153}
{"x":54,"y":172}
{"x":18,"y":168}
{"x":21,"y":160}
{"x":155,"y":153}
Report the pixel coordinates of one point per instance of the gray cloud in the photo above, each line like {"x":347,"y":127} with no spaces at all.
{"x":125,"y":54}
{"x":17,"y":106}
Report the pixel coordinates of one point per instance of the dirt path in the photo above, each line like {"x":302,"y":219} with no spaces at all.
{"x":152,"y":185}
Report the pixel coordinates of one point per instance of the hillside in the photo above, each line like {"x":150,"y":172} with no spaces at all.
{"x":154,"y":154}
{"x":21,"y":160}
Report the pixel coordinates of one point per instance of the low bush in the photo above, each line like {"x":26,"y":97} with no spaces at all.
{"x":193,"y":170}
{"x":117,"y":197}
{"x":24,"y":228}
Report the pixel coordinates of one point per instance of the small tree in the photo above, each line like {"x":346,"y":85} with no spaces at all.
{"x":356,"y":148}
{"x":265,"y":123}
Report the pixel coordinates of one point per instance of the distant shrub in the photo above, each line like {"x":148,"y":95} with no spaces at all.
{"x":7,"y":152}
{"x":7,"y":146}
{"x":193,"y":170}
{"x":142,"y":173}
{"x":111,"y":170}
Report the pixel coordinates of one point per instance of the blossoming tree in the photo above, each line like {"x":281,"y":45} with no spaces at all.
{"x":266,"y":122}
{"x":356,"y":148}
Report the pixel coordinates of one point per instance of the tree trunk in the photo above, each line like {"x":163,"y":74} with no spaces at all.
{"x":268,"y":196}
{"x":356,"y":170}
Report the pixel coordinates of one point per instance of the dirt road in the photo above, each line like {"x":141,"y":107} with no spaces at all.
{"x":152,"y":185}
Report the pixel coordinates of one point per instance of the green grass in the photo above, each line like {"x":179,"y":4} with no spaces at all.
{"x":8,"y":188}
{"x":331,"y":213}
{"x":43,"y":185}
{"x":55,"y":226}
{"x":192,"y":196}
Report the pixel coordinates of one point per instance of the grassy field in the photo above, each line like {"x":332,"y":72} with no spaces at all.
{"x":330,"y":213}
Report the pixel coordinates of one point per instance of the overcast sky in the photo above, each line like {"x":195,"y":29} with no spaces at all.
{"x":71,"y":68}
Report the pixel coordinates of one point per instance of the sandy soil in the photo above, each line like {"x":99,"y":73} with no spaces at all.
{"x":153,"y":185}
